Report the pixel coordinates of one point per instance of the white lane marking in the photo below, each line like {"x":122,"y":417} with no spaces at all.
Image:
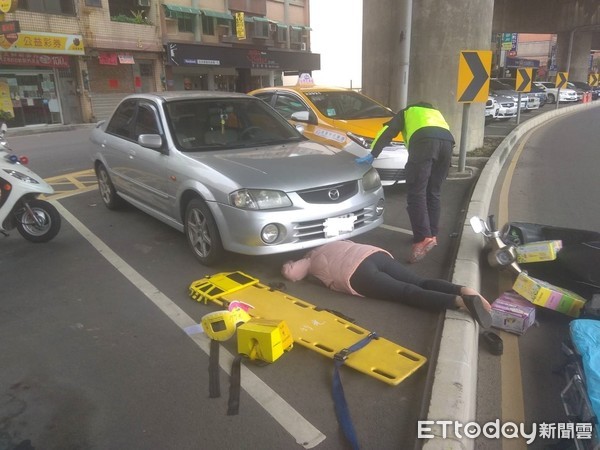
{"x":397,"y":229}
{"x":303,"y":431}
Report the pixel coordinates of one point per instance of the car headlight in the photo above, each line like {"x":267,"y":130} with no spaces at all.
{"x":371,"y":180}
{"x":21,"y":176}
{"x":259,"y":199}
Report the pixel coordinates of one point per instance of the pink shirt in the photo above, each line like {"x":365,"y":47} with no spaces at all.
{"x":333,"y":264}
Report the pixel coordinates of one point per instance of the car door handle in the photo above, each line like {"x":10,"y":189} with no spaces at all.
{"x":131,"y":154}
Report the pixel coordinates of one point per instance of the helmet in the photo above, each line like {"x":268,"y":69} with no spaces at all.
{"x":221,"y":325}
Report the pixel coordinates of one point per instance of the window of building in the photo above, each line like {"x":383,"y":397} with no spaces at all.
{"x":282,"y":33}
{"x":208,"y":25}
{"x":48,"y":6}
{"x":185,"y":23}
{"x":296,"y":35}
{"x":95,"y":3}
{"x":261,"y":27}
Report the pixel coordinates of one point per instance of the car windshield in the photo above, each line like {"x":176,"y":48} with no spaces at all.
{"x":210,"y":124}
{"x":347,"y":105}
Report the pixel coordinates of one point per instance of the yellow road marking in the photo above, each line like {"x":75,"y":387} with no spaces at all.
{"x":513,"y":404}
{"x":71,"y":184}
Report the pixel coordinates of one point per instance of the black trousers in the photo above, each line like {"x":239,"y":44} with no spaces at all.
{"x":427,"y":167}
{"x":382,"y":277}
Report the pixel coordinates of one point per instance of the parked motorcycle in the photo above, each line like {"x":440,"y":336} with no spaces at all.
{"x":36,"y":220}
{"x":577,"y":264}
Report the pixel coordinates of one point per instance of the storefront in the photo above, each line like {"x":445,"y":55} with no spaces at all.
{"x":209,"y":67}
{"x":38,"y":83}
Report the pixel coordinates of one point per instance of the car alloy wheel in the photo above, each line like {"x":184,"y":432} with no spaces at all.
{"x":109,"y":195}
{"x":202,"y":233}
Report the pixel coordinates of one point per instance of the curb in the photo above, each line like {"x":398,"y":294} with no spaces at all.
{"x":454,"y":390}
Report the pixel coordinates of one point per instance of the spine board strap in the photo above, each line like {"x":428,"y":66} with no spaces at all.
{"x":341,"y":406}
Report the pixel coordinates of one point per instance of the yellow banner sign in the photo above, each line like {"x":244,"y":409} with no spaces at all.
{"x":33,"y":42}
{"x":240,"y":26}
{"x":5,"y":100}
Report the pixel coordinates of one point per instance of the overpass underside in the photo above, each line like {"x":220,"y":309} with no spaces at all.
{"x":439,"y":31}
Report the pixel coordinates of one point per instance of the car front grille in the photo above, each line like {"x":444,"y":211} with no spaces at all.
{"x":335,"y":193}
{"x":314,"y":229}
{"x":392,"y":174}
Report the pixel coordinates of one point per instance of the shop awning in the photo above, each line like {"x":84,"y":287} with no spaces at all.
{"x":177,"y":11}
{"x":217,"y":14}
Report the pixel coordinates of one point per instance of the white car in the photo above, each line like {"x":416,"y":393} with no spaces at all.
{"x":566,"y":94}
{"x":492,"y":108}
{"x":533,"y":102}
{"x":508,"y":107}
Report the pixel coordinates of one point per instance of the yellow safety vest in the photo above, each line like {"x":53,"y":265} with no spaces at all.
{"x":417,"y":117}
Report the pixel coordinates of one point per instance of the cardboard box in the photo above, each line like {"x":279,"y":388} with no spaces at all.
{"x":513,"y":313}
{"x":549,"y":296}
{"x":538,"y":251}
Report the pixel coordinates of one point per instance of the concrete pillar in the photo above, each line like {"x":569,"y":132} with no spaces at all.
{"x":578,"y":66}
{"x":440,"y":31}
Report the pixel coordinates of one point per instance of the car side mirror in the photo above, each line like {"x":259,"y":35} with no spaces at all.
{"x":300,"y":116}
{"x":153,"y":141}
{"x":304,"y":116}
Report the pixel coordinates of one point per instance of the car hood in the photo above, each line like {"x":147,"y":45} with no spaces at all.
{"x":288,"y":167}
{"x":364,"y":127}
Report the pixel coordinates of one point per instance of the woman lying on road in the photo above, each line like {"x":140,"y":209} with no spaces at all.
{"x":369,"y":271}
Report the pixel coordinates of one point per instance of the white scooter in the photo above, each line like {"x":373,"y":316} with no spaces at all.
{"x":36,"y":220}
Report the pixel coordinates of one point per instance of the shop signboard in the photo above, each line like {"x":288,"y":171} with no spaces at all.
{"x":37,"y":42}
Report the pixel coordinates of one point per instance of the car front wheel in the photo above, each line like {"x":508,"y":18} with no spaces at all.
{"x":202,"y":233}
{"x":551,"y":98}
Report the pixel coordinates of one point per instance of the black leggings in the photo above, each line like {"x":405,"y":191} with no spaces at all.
{"x":381,"y":276}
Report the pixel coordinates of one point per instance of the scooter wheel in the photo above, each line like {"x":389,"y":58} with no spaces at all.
{"x":41,"y":228}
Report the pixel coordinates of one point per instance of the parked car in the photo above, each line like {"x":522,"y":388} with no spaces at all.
{"x":232,"y":174}
{"x":566,"y":94}
{"x":499,"y":88}
{"x":535,"y":91}
{"x":508,"y":107}
{"x":492,"y":108}
{"x":583,"y":86}
{"x":326,"y":114}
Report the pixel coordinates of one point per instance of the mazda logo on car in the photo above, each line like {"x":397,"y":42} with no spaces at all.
{"x":334,"y":194}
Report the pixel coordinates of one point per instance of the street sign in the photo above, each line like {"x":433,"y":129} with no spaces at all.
{"x":561,"y":79}
{"x":474,"y":76}
{"x":594,"y":79}
{"x":524,"y":80}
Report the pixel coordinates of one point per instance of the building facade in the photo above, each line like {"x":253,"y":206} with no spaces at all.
{"x":72,"y":61}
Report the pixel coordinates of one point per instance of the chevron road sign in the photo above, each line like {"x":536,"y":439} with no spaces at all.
{"x":474,"y":76}
{"x":561,"y":79}
{"x":524,"y":80}
{"x":594,"y":79}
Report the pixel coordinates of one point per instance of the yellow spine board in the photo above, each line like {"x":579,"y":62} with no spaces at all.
{"x":318,"y":330}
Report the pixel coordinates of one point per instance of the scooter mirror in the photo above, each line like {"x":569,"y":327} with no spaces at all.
{"x":476,"y":224}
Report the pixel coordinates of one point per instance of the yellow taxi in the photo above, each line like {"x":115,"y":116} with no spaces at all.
{"x":326,"y":114}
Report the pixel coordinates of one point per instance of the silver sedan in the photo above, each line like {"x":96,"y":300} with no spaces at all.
{"x":232,"y":174}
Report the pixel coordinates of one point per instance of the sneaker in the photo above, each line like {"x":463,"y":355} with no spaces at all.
{"x":420,"y":249}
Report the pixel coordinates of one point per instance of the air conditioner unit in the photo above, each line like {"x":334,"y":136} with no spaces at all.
{"x":303,"y":46}
{"x":144,"y":2}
